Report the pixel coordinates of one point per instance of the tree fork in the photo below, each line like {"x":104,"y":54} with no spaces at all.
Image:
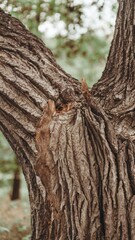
{"x":76,"y":147}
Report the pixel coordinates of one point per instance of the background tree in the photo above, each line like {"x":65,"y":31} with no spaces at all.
{"x":81,"y":180}
{"x":10,"y":170}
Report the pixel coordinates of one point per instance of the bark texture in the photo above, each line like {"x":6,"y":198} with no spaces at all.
{"x":76,"y":147}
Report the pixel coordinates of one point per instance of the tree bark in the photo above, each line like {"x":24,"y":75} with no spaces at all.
{"x":76,"y":147}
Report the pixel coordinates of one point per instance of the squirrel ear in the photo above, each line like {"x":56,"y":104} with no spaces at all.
{"x":84,"y":86}
{"x":51,"y":107}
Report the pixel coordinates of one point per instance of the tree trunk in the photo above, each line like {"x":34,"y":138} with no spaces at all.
{"x":15,"y":194}
{"x":76,"y":147}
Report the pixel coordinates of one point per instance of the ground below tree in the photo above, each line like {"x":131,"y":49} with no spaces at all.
{"x":15,"y":217}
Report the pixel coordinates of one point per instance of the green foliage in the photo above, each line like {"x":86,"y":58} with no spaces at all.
{"x":35,"y":12}
{"x":80,"y":57}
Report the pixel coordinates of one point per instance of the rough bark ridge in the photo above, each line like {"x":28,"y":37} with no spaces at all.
{"x":78,"y":158}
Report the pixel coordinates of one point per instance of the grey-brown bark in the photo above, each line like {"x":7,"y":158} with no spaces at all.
{"x":78,"y":158}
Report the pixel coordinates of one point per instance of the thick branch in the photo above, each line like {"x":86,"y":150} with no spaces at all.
{"x":116,"y":89}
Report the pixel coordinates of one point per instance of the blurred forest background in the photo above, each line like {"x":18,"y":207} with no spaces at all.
{"x":79,"y":34}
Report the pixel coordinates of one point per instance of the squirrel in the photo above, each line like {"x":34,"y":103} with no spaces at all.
{"x":43,"y":140}
{"x":43,"y":132}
